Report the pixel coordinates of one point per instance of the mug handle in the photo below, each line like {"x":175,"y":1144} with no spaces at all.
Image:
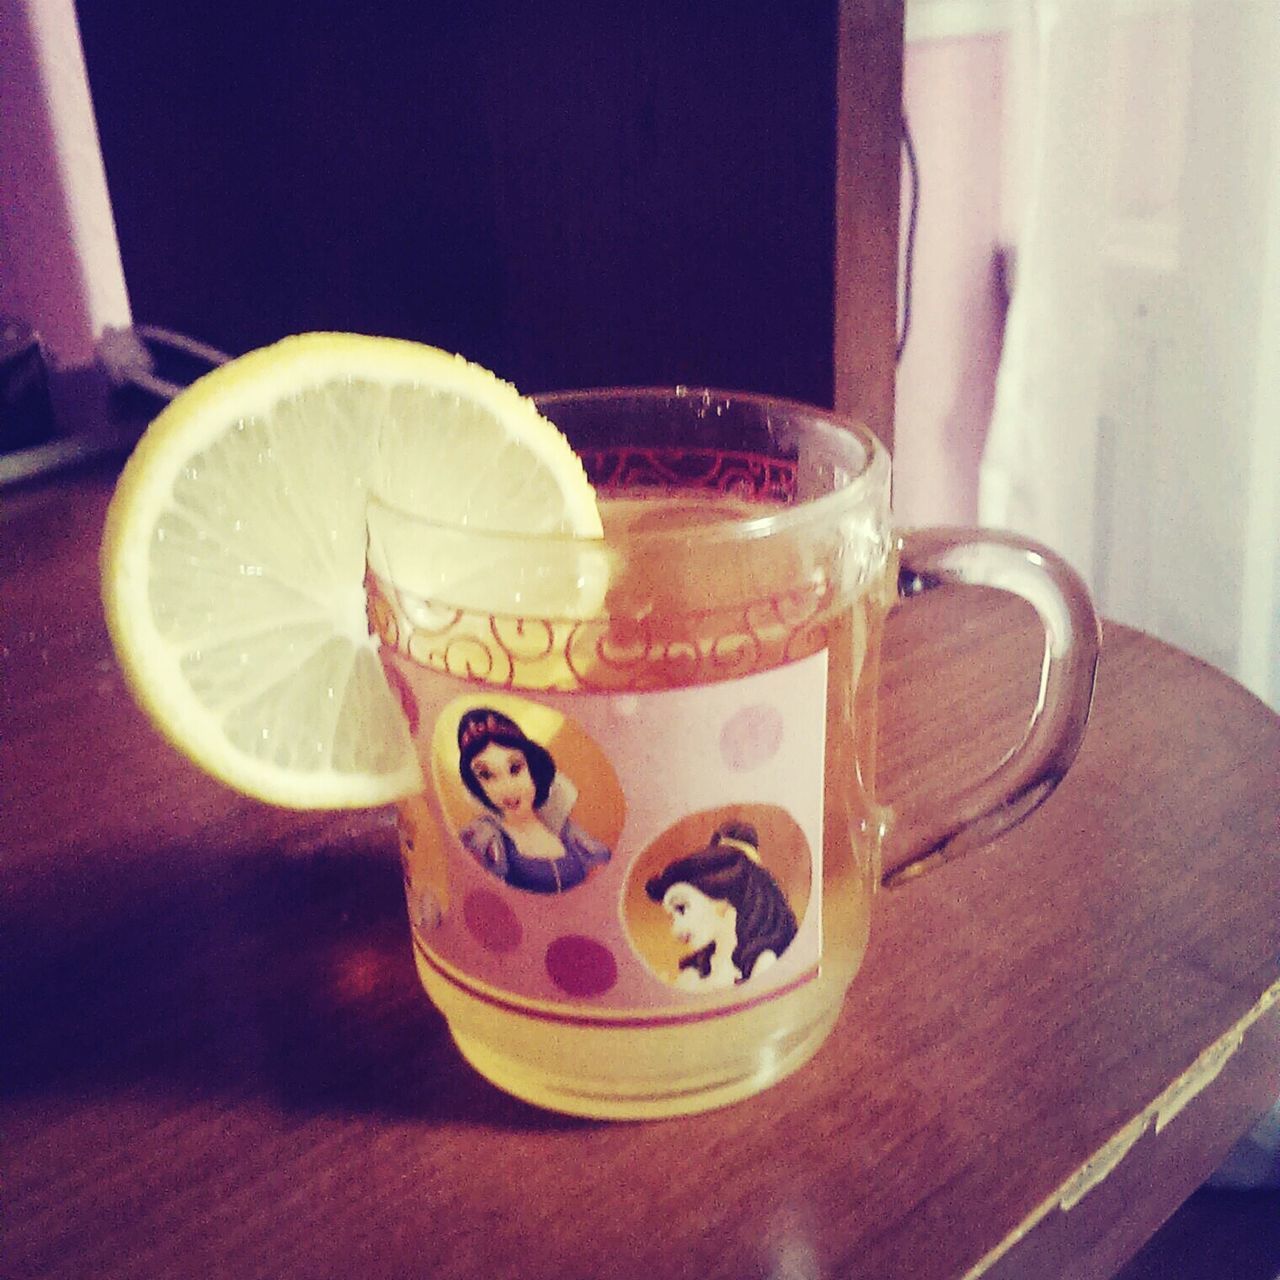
{"x":946,"y":827}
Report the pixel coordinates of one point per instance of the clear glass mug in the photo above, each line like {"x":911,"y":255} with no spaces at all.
{"x":641,"y":869}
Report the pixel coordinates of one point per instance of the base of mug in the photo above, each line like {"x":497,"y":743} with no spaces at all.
{"x":621,"y":1100}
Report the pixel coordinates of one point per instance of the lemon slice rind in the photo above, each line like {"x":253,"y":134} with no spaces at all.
{"x":179,"y":655}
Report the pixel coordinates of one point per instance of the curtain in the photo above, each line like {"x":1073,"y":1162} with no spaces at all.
{"x":1136,"y":425}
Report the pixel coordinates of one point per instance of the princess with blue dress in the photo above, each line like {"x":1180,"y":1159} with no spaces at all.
{"x":525,"y":835}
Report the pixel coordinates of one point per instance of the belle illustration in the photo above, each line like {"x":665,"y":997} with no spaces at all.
{"x":727,"y":907}
{"x":525,"y":836}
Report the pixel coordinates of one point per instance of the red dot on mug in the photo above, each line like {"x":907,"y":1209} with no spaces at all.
{"x":491,"y":922}
{"x":751,"y":736}
{"x":581,"y":966}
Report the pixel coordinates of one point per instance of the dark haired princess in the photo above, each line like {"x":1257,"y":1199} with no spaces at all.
{"x":726,"y":906}
{"x":525,"y":836}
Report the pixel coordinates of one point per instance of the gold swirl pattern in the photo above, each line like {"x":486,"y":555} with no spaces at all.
{"x":661,"y":648}
{"x":603,"y":654}
{"x":739,"y":473}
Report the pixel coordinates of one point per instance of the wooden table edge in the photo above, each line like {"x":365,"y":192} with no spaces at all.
{"x":1158,"y":1113}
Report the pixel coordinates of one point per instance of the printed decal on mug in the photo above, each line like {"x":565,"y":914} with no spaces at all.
{"x":544,"y":867}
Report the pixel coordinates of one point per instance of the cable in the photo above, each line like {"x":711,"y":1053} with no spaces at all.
{"x":908,"y":261}
{"x":125,"y":355}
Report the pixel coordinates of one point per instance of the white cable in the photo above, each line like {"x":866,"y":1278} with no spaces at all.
{"x":125,"y":355}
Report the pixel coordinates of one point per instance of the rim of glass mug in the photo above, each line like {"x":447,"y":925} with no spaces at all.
{"x":851,"y":444}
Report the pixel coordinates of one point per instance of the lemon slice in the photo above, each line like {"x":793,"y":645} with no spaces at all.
{"x":234,"y":551}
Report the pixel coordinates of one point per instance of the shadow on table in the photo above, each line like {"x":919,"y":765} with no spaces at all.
{"x":285,"y":976}
{"x":1215,"y":1235}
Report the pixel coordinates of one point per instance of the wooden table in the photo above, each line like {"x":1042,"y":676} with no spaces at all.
{"x":218,"y":1061}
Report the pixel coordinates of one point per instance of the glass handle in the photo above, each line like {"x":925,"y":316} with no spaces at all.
{"x":940,"y":829}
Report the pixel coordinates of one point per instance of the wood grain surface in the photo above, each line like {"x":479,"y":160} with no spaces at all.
{"x":217,"y":1060}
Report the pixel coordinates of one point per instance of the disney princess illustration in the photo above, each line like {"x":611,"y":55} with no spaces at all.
{"x":725,"y":906}
{"x":525,"y":835}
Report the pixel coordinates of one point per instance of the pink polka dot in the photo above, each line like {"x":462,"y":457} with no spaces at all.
{"x":581,"y":966}
{"x":751,"y":737}
{"x":491,"y":922}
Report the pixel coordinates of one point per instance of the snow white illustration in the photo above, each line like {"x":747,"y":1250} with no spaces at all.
{"x":525,"y":835}
{"x":725,"y":906}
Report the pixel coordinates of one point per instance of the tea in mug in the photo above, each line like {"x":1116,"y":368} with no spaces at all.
{"x":715,"y":716}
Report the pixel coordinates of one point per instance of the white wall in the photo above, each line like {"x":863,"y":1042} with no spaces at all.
{"x":1128,"y":152}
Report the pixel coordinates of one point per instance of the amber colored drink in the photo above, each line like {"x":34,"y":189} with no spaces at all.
{"x":690,"y":608}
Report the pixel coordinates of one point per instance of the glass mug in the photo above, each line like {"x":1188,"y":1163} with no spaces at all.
{"x":641,"y":868}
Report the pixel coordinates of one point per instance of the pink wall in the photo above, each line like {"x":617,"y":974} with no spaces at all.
{"x":59,"y":263}
{"x":954,"y":96}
